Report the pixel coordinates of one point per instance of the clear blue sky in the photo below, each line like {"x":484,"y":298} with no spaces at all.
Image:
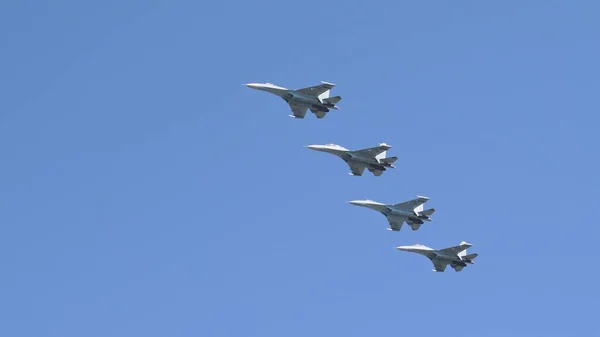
{"x":145,"y":192}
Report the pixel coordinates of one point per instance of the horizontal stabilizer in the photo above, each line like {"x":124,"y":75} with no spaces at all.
{"x":414,"y":226}
{"x":320,"y":114}
{"x":375,"y":172}
{"x":470,"y":256}
{"x":390,"y":159}
{"x":428,"y":212}
{"x":333,"y":100}
{"x":457,"y":268}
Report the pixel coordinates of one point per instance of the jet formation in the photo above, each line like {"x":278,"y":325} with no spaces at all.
{"x":317,"y":99}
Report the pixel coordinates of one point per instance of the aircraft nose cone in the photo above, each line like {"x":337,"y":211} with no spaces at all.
{"x":356,"y":202}
{"x":252,"y":85}
{"x":314,"y":147}
{"x":404,"y":248}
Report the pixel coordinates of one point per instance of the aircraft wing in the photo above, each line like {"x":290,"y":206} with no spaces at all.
{"x":356,"y":169}
{"x":316,"y":90}
{"x":438,"y":265}
{"x":298,"y":110}
{"x":396,"y":222}
{"x":412,"y":204}
{"x":452,"y":250}
{"x":371,"y":152}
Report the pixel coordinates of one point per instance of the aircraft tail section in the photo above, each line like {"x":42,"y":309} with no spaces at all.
{"x":463,"y":255}
{"x":389,"y":160}
{"x":381,"y":156}
{"x":375,"y":172}
{"x":331,"y":100}
{"x":470,"y":256}
{"x":428,"y":212}
{"x":457,"y":268}
{"x":324,"y":95}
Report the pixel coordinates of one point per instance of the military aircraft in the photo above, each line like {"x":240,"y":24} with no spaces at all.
{"x":372,"y":158}
{"x":315,"y":98}
{"x":456,"y":256}
{"x":410,"y":212}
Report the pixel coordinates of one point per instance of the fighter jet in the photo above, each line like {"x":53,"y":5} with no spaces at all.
{"x":315,"y":98}
{"x":456,"y":257}
{"x":410,"y":212}
{"x":372,"y":158}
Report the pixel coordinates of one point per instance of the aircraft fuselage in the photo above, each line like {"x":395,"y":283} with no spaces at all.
{"x":314,"y":103}
{"x":304,"y":98}
{"x":407,"y":213}
{"x":374,"y":163}
{"x":454,"y":260}
{"x":401,"y":212}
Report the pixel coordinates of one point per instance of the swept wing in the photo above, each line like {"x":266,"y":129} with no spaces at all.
{"x":452,"y":250}
{"x":371,"y":152}
{"x":412,"y":204}
{"x":356,"y":169}
{"x":396,"y":222}
{"x":316,"y":90}
{"x":438,"y":265}
{"x":298,"y":110}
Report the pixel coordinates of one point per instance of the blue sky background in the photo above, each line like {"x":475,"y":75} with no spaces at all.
{"x":146,"y":192}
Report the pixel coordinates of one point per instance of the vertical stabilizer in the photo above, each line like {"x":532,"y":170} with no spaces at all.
{"x":381,"y":156}
{"x":324,"y":95}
